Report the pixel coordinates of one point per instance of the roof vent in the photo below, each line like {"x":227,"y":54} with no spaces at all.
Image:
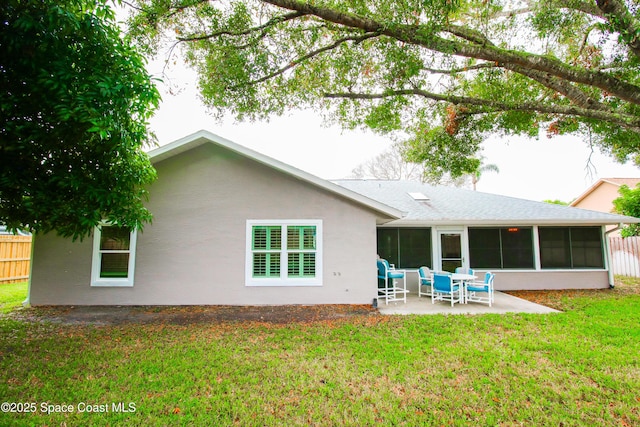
{"x":420,"y":197}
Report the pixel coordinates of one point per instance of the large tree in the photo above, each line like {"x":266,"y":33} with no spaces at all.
{"x":74,"y":103}
{"x":442,"y":73}
{"x":481,"y":169}
{"x":391,"y":165}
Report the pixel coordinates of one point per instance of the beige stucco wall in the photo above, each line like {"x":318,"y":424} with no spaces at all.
{"x":194,"y":252}
{"x":600,"y":199}
{"x":549,"y":279}
{"x":534,"y":280}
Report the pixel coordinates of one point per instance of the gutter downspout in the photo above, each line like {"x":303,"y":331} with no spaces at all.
{"x":608,"y":249}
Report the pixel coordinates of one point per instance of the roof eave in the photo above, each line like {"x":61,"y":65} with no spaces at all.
{"x":509,"y":222}
{"x":589,"y":190}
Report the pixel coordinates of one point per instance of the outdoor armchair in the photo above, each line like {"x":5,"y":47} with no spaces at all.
{"x":424,"y":281}
{"x":443,"y":289}
{"x":389,"y":276}
{"x":481,"y":291}
{"x":464,"y":270}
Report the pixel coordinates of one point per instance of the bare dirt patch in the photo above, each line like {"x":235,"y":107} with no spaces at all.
{"x":185,"y":315}
{"x":282,"y":314}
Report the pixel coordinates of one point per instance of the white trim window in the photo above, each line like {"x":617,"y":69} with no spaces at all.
{"x":114,"y":253}
{"x":284,"y":253}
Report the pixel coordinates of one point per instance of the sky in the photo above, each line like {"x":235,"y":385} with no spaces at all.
{"x":542,"y":169}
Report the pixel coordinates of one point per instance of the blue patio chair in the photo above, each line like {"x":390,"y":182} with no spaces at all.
{"x":464,"y":270}
{"x":424,"y":281}
{"x":389,"y":276}
{"x":481,"y":291}
{"x":443,"y":289}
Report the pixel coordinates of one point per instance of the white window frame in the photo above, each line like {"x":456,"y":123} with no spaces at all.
{"x":96,"y":263}
{"x":283,"y":280}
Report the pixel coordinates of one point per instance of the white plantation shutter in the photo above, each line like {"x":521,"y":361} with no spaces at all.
{"x":284,"y":252}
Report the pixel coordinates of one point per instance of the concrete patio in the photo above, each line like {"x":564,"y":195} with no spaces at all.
{"x":503,"y":303}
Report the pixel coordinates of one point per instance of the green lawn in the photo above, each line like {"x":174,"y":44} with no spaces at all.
{"x":12,"y":296}
{"x":578,"y":368}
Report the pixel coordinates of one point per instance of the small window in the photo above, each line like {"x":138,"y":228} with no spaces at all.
{"x":284,"y":253}
{"x":113,"y":256}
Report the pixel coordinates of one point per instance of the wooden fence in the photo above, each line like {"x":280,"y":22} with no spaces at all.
{"x":15,"y":256}
{"x":625,"y":255}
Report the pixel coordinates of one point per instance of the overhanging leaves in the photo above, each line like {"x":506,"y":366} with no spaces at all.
{"x":507,"y":67}
{"x":74,"y":103}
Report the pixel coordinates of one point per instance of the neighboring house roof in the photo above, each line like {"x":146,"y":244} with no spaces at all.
{"x":203,"y":137}
{"x":618,"y":182}
{"x":440,"y":205}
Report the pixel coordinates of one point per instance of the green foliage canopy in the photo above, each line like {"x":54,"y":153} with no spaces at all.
{"x":439,"y":74}
{"x":628,"y":204}
{"x":74,"y":103}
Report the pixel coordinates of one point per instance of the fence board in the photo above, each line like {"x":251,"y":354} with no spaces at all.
{"x":15,"y":258}
{"x":625,"y":255}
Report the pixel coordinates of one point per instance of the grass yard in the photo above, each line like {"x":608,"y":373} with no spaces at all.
{"x":578,"y":368}
{"x":11,"y":296}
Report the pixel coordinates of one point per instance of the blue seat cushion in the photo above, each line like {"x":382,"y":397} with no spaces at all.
{"x":395,"y":275}
{"x":478,"y":288}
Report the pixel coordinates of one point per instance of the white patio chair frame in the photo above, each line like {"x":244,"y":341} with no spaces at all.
{"x":425,"y":279}
{"x":481,"y":292}
{"x":391,"y":292}
{"x":442,"y":294}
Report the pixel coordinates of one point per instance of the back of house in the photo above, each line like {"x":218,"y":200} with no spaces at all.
{"x":234,"y":227}
{"x":230,"y":227}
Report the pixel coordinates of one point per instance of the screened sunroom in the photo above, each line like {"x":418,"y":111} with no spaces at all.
{"x":527,"y":244}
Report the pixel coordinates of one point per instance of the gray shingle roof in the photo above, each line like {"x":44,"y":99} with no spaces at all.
{"x":455,"y":206}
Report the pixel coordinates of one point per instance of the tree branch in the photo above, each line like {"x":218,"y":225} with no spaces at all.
{"x":415,"y":34}
{"x":489,"y":106}
{"x":575,"y":95}
{"x":463,"y":69}
{"x":274,"y":21}
{"x":581,"y":6}
{"x":622,"y":21}
{"x":583,"y":44}
{"x":342,"y":18}
{"x":578,"y":5}
{"x":295,"y":62}
{"x":626,"y":91}
{"x":468,"y":34}
{"x":179,"y":8}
